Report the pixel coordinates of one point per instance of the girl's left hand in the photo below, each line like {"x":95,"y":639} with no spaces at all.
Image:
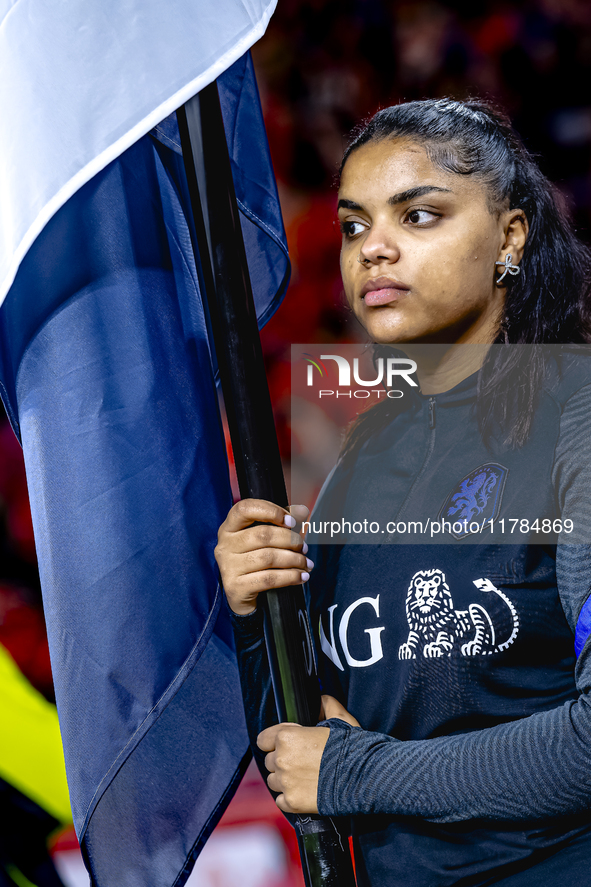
{"x":293,"y":758}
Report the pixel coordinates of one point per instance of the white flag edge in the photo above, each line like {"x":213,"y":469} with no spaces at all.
{"x":112,"y":151}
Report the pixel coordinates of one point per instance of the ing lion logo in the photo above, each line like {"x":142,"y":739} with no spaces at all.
{"x":437,"y":626}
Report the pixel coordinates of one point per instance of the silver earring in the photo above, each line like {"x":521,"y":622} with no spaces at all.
{"x":509,"y":267}
{"x":360,"y":260}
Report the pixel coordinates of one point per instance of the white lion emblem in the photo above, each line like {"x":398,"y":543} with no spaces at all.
{"x":434,"y":623}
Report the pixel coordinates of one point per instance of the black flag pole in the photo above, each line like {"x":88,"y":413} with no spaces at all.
{"x":225,"y":282}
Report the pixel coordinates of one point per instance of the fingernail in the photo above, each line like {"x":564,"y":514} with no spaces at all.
{"x":289,"y":521}
{"x":309,"y":563}
{"x":305,"y":548}
{"x":305,"y":577}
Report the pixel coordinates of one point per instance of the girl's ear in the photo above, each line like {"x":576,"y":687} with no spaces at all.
{"x":515,"y":229}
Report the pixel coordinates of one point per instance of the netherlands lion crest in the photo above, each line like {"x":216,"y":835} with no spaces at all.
{"x":436,"y":627}
{"x":476,"y":498}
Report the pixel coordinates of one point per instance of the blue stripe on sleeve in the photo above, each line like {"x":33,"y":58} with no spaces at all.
{"x":583,"y":627}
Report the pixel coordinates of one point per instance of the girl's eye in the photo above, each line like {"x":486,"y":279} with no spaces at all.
{"x":421,"y":216}
{"x":351,"y":229}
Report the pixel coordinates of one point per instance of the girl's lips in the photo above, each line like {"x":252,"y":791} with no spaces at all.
{"x":383,"y":296}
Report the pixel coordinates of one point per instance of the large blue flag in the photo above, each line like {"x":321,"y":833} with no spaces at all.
{"x":107,"y":377}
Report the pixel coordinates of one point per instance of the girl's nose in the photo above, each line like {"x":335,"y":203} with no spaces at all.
{"x":379,"y":246}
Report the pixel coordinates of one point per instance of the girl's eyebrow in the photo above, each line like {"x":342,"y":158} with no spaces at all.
{"x":348,"y":204}
{"x":413,"y":193}
{"x":401,"y":197}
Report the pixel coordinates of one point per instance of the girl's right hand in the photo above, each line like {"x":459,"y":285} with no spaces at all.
{"x":254,"y":559}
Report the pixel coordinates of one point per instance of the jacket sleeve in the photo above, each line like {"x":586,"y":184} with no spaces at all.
{"x":528,"y":769}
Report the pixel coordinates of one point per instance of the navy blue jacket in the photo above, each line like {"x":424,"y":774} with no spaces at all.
{"x":456,"y":653}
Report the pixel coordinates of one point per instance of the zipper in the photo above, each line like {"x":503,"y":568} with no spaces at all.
{"x":432,"y":402}
{"x":430,"y":447}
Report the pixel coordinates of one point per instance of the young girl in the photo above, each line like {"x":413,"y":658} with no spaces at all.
{"x":458,"y":723}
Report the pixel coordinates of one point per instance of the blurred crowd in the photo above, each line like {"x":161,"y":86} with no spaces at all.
{"x":33,"y":794}
{"x":22,"y":626}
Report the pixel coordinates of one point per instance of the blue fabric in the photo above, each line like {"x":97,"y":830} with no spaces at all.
{"x":583,"y":627}
{"x":107,"y":377}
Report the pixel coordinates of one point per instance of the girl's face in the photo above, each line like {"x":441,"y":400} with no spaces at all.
{"x":429,"y":243}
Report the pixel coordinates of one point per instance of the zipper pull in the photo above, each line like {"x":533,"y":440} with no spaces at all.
{"x":432,"y":412}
